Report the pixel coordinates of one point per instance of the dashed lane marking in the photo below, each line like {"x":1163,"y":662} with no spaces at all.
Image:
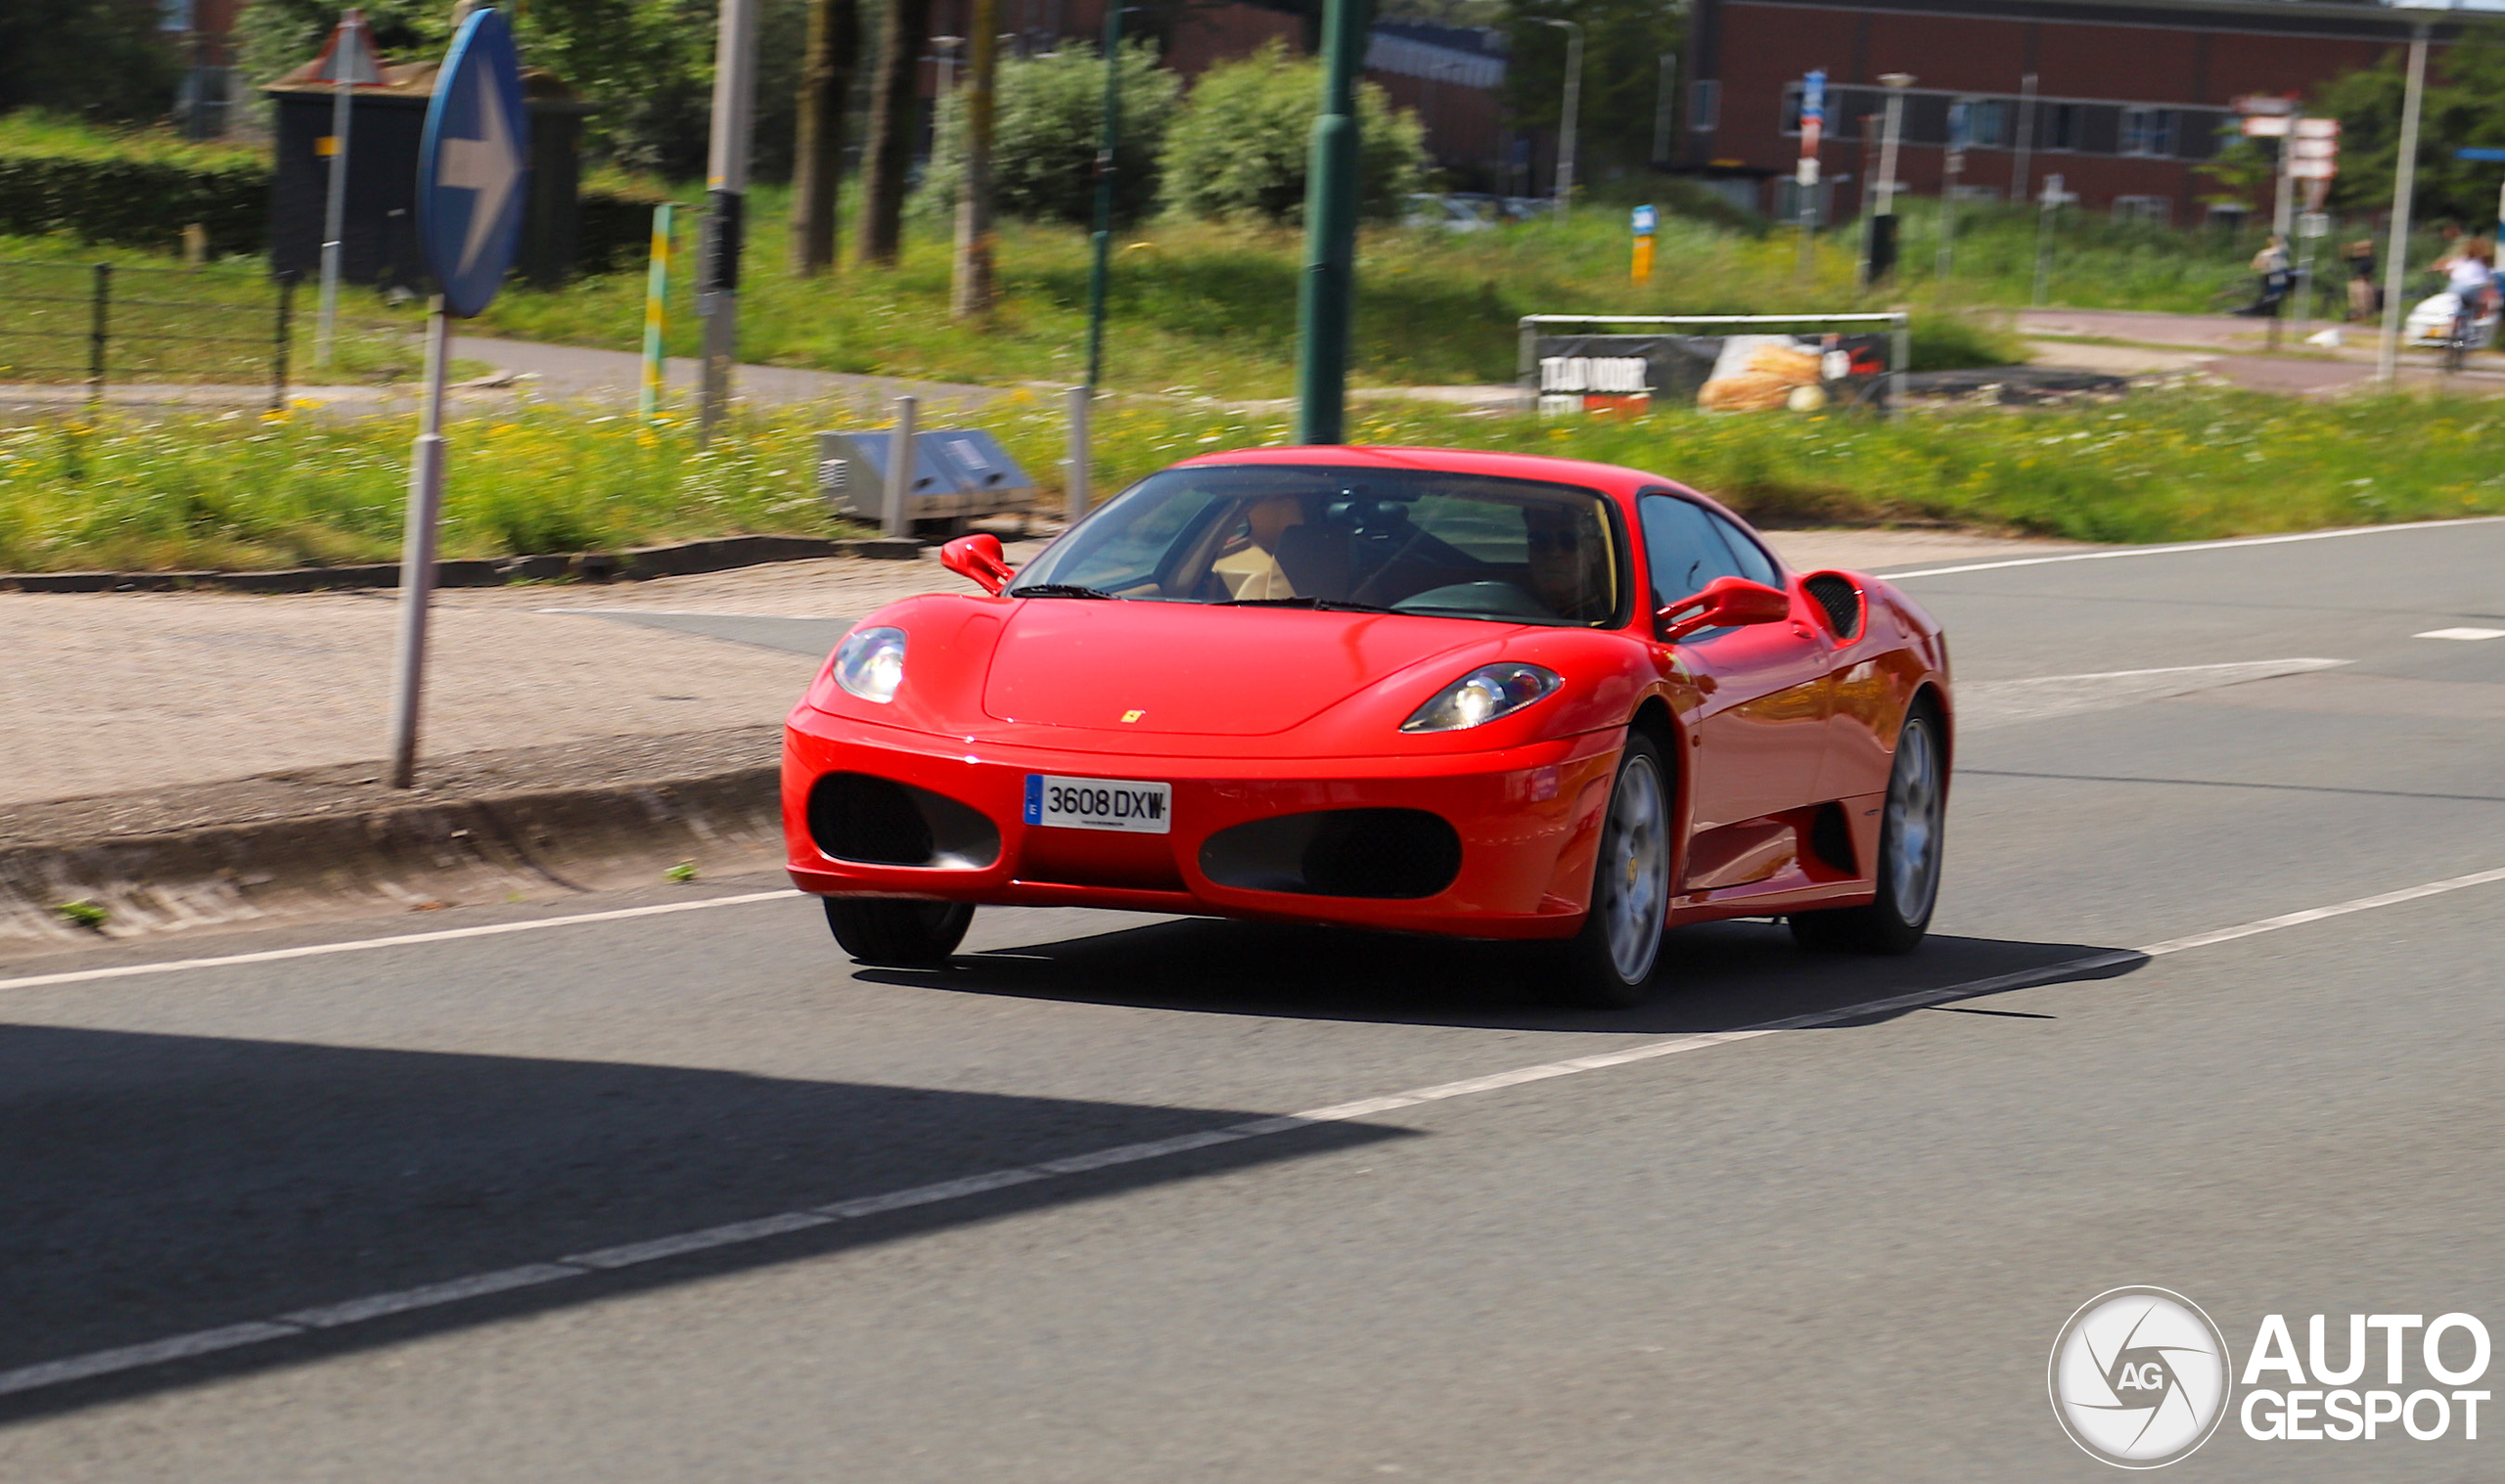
{"x":357,"y":1311}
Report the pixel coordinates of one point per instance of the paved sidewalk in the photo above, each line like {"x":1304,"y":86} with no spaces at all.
{"x":109,"y":692}
{"x":2236,"y":350}
{"x":572,"y":373}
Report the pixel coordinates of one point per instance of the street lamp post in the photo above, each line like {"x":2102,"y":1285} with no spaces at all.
{"x":2405,"y":182}
{"x":1879,"y":255}
{"x":1572,"y":108}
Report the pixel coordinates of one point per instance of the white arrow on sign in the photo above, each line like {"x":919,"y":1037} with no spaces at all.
{"x":489,"y":165}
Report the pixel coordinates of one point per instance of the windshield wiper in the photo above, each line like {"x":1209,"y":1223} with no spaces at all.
{"x":1327,"y":605}
{"x":1059,"y":590}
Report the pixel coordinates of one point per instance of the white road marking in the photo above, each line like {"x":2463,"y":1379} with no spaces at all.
{"x":1982,"y":704}
{"x":584,"y":1264}
{"x":2461,"y":634}
{"x":396,"y":940}
{"x":2189,"y":546}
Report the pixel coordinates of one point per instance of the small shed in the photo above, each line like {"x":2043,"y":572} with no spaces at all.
{"x":379,"y":243}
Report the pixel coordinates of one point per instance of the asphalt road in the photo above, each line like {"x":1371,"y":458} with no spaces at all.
{"x":1661,"y":1250}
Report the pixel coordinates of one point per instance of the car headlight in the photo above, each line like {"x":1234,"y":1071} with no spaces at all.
{"x":1482,"y":696}
{"x":870,"y":664}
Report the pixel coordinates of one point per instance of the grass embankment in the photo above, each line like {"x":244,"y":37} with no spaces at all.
{"x":1208,"y":307}
{"x":244,"y":492}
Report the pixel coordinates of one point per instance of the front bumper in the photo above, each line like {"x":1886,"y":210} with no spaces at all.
{"x":1527,"y":819}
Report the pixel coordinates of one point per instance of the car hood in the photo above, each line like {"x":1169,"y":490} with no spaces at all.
{"x":1197,"y":669}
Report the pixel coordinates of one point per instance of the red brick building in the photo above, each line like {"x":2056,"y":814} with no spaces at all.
{"x":2123,"y":98}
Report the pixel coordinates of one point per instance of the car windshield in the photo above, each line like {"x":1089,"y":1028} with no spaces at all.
{"x":1408,"y":541}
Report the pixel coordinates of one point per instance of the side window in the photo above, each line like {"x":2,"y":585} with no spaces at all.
{"x":1682,"y":548}
{"x":1753,"y":564}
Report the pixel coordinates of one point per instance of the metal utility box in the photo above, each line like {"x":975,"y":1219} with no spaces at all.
{"x":991,"y":480}
{"x":959,"y":474}
{"x":852,"y":476}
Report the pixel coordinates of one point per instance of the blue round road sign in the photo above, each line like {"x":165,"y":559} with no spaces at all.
{"x":473,"y":165}
{"x":1644,"y":220}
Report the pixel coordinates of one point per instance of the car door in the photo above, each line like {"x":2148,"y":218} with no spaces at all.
{"x":1761,"y":724}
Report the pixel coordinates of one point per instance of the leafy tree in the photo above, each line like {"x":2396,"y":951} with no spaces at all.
{"x":100,"y":59}
{"x":648,"y":64}
{"x":1240,"y":146}
{"x":1049,"y":121}
{"x":1623,"y":45}
{"x":2464,"y":105}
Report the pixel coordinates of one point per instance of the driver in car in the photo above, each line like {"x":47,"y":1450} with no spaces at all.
{"x":1252,"y":572}
{"x":1564,"y":559}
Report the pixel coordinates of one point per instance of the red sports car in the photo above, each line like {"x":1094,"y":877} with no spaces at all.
{"x":1489,"y":696}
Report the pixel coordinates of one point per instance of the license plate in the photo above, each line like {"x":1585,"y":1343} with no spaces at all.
{"x":1100,"y":803}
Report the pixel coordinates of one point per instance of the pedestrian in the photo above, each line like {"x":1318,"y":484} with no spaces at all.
{"x":2365,"y":299}
{"x":2278,"y":277}
{"x":2469,"y":275}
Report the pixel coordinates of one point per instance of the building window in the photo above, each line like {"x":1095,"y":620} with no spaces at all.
{"x":2148,"y":131}
{"x":2057,"y":127}
{"x":1705,"y":104}
{"x":174,"y":15}
{"x":1791,"y":123}
{"x":1987,"y":124}
{"x":2147,"y":208}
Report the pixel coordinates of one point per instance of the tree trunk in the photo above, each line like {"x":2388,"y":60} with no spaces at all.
{"x":894,"y":111}
{"x":970,"y":288}
{"x":826,"y":78}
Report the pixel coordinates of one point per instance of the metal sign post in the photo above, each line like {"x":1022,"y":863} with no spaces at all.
{"x":1959,"y":113}
{"x":473,"y":162}
{"x":346,"y":62}
{"x":1813,"y":118}
{"x":2404,"y":184}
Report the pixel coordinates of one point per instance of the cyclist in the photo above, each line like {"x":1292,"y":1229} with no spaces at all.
{"x":2469,"y":275}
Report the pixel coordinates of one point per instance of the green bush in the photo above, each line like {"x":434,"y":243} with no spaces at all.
{"x":136,"y":189}
{"x":1048,"y":121}
{"x":1240,"y":147}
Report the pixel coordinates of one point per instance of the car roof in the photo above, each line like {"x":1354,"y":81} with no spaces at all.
{"x":1614,"y":478}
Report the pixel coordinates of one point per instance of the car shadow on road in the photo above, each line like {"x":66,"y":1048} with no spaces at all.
{"x":1714,"y":977}
{"x":161,"y":1185}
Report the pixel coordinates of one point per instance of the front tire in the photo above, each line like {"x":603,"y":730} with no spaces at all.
{"x":1610,"y":964}
{"x":1911,"y":836}
{"x":889,"y":933}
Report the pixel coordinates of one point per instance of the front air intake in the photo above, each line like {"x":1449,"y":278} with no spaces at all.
{"x":876,"y":821}
{"x":1393,"y":854}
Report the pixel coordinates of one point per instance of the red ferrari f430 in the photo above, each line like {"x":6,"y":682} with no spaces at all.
{"x":1480,"y":695}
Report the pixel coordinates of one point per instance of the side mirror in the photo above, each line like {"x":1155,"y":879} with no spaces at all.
{"x":978,"y":559}
{"x":1725,"y":603}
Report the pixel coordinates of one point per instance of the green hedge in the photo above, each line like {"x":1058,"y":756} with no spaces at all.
{"x":146,"y":204}
{"x":134,"y":202}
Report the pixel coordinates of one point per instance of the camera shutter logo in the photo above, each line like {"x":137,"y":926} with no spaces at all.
{"x":2139,"y":1378}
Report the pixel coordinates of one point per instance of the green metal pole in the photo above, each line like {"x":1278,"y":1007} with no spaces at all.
{"x":1103,"y":239}
{"x":1329,"y":290}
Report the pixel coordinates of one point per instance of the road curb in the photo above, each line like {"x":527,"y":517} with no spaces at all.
{"x":680,"y":558}
{"x":489,"y":848}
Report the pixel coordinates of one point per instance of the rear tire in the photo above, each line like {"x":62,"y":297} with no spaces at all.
{"x":889,"y":933}
{"x":1910,"y":840}
{"x":1610,"y":964}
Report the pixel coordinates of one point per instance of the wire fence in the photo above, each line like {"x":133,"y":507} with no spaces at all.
{"x":107,"y":324}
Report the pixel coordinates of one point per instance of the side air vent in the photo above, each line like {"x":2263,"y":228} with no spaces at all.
{"x":1398,"y":854}
{"x":1841,"y":600}
{"x":879,"y":821}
